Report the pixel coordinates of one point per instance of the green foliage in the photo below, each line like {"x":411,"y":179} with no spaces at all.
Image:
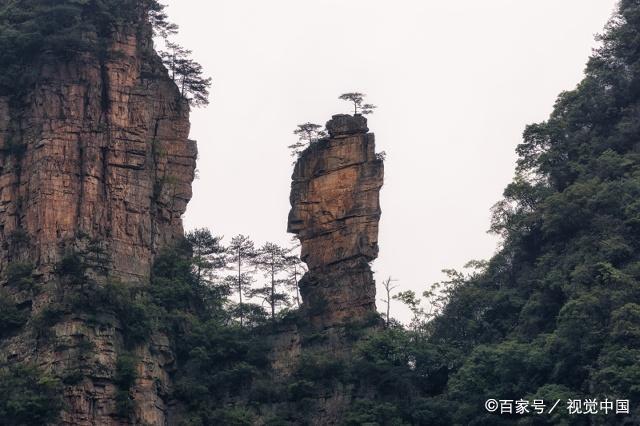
{"x":49,"y":316}
{"x":308,"y":133}
{"x":371,"y":413}
{"x":112,"y":303}
{"x":509,"y":368}
{"x":217,"y":361}
{"x":357,"y":99}
{"x":321,"y":369}
{"x":73,"y":377}
{"x":299,"y":390}
{"x":208,"y":255}
{"x":356,"y":330}
{"x":187,"y":74}
{"x":19,"y":275}
{"x":272,"y":260}
{"x":28,"y":397}
{"x":129,"y":305}
{"x":616,"y":371}
{"x":62,"y":29}
{"x":241,"y":251}
{"x":124,"y":379}
{"x":11,"y":318}
{"x":216,"y":358}
{"x":232,"y":416}
{"x":35,"y":32}
{"x":73,"y":267}
{"x":173,"y":286}
{"x":552,"y":315}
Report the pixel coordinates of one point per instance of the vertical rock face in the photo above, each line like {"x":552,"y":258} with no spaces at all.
{"x":96,"y":150}
{"x":335,"y":211}
{"x":97,"y":153}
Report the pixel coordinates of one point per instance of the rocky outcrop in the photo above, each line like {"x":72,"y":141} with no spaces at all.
{"x":335,"y":211}
{"x":99,"y":150}
{"x":95,"y":154}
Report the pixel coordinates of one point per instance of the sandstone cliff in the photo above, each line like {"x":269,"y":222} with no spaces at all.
{"x":96,"y":153}
{"x":335,"y":210}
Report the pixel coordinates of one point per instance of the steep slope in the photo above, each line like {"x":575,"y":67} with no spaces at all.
{"x":95,"y":173}
{"x":555,"y":314}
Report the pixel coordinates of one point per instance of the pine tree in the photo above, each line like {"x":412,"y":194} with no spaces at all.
{"x":187,"y":74}
{"x":357,"y":98}
{"x":208,"y":254}
{"x":307,"y":133}
{"x":272,"y":260}
{"x":241,"y":252}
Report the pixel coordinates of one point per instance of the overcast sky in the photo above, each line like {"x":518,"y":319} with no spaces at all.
{"x":455,"y":84}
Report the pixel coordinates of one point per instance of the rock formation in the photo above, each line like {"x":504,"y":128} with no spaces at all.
{"x":335,"y":211}
{"x":96,"y":153}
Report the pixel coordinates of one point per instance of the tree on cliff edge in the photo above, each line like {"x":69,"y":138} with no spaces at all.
{"x":33,"y":30}
{"x":307,"y":133}
{"x":357,"y":98}
{"x":187,"y":74}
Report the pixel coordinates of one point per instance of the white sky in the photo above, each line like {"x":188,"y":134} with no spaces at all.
{"x":455,"y":84}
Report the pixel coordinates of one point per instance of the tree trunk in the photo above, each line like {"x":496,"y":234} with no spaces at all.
{"x":240,"y":287}
{"x":273,"y":293}
{"x":388,"y":304}
{"x":295,"y":277}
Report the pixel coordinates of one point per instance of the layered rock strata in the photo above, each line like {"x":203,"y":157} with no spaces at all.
{"x":335,"y":210}
{"x":96,"y":153}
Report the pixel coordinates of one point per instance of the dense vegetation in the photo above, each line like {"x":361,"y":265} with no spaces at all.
{"x":28,"y":397}
{"x":31,"y":28}
{"x":220,"y":359}
{"x":34,"y":31}
{"x":554,"y":315}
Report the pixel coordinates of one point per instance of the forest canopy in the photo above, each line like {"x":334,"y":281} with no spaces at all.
{"x":554,"y":315}
{"x":33,"y":29}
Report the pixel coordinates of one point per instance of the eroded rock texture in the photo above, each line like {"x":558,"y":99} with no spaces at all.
{"x":335,"y":211}
{"x":97,"y":153}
